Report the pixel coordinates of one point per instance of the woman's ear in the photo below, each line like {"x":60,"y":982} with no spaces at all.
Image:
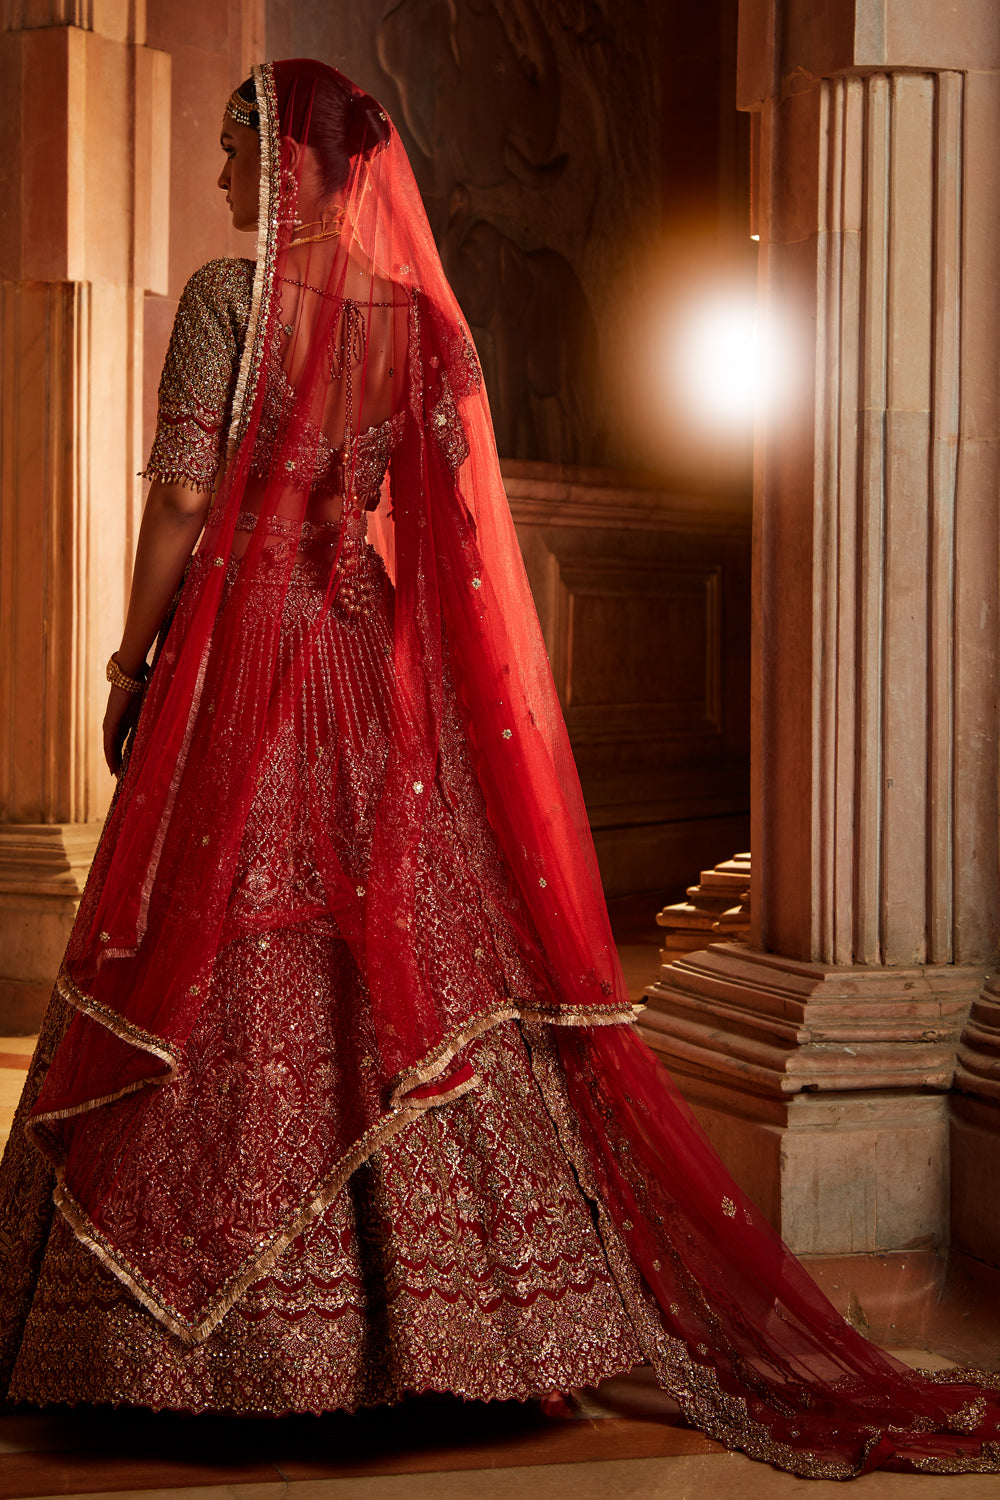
{"x":291,"y":155}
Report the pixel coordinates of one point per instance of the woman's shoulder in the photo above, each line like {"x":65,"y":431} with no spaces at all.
{"x":224,"y":286}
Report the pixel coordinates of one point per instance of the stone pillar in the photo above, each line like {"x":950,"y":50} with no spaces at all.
{"x":819,"y":1057}
{"x":85,"y":113}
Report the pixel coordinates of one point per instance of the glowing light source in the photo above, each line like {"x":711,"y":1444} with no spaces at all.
{"x":724,"y":360}
{"x":698,"y":368}
{"x":712,"y":357}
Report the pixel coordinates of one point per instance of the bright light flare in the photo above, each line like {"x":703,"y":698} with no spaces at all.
{"x":723,"y":361}
{"x":700,"y":370}
{"x":716,"y":350}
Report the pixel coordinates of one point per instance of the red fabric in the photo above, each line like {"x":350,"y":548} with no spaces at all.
{"x":158,"y":914}
{"x":145,"y":948}
{"x":350,"y":332}
{"x":745,"y":1310}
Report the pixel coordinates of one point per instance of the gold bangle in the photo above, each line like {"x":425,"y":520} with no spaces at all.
{"x":120,"y":679}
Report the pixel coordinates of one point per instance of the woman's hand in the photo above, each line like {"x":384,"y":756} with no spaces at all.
{"x":119,"y":716}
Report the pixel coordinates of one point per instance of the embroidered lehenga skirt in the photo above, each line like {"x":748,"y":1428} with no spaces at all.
{"x":461,"y":1253}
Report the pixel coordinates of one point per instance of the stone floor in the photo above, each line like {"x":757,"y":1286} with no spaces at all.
{"x":623,"y":1442}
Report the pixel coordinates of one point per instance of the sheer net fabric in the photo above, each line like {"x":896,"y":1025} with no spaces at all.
{"x":347,"y":874}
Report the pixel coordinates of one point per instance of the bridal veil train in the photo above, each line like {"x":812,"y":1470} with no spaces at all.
{"x":339,"y":1095}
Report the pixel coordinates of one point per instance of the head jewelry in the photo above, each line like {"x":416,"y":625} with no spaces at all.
{"x":242,"y":111}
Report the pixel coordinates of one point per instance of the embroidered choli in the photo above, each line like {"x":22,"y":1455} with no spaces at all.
{"x":196,"y":396}
{"x":199,"y":375}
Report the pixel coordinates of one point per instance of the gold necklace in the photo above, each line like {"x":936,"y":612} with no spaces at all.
{"x":329,"y":228}
{"x":311,"y":239}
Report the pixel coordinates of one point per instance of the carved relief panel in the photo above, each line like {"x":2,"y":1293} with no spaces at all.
{"x":644,"y":600}
{"x":638,"y":651}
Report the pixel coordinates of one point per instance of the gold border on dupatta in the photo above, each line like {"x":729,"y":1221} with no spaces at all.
{"x":267,"y":251}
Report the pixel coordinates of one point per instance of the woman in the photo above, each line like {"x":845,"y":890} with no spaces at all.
{"x":339,"y":1096}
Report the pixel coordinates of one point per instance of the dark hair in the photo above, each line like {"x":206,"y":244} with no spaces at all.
{"x":319,"y":105}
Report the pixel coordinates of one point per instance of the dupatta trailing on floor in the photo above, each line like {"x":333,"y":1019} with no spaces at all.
{"x":356,"y":361}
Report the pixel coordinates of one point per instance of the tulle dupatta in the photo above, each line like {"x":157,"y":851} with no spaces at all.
{"x":754,"y":1352}
{"x":355,"y":346}
{"x":143,"y":949}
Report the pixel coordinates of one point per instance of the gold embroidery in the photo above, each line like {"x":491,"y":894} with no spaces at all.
{"x":501,"y":1291}
{"x":196,"y":388}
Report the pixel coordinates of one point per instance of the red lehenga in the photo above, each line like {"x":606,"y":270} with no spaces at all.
{"x":339,"y":1094}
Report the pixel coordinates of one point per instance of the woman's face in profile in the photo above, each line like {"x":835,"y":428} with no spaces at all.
{"x":240,"y":176}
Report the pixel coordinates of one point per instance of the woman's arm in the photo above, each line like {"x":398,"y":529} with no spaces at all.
{"x":171,"y":524}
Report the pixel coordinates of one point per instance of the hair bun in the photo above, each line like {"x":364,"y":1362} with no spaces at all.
{"x":367,"y":125}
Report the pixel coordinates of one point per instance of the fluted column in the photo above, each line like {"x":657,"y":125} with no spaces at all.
{"x":83,"y":233}
{"x":820,"y":1056}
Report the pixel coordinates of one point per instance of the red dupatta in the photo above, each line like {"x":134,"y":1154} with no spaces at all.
{"x":742,"y":1338}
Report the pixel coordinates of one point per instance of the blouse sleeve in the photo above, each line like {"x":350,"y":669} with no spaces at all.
{"x":452,"y":373}
{"x":199,"y":375}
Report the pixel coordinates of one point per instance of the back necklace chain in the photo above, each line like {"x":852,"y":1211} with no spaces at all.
{"x":322,"y":291}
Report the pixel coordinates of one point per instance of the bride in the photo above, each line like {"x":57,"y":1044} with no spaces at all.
{"x":338,"y":1096}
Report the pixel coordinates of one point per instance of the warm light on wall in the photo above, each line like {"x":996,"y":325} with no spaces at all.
{"x":695,"y":368}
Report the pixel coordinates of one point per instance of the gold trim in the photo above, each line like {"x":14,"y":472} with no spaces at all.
{"x":318,"y":1200}
{"x":267,"y":238}
{"x":176,"y":476}
{"x":134,"y":1036}
{"x":146,"y":892}
{"x":137,"y":1036}
{"x":403,"y":1111}
{"x":436,"y":1062}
